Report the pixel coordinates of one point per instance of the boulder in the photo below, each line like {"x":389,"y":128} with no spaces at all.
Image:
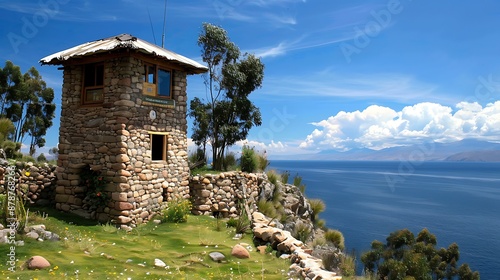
{"x":32,"y":235}
{"x":37,"y":262}
{"x":240,"y":252}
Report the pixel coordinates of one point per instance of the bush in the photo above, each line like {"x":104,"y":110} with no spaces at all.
{"x":403,"y":257}
{"x":317,"y":206}
{"x":318,"y":241}
{"x":302,"y":231}
{"x":297,"y":181}
{"x":95,"y":184}
{"x":27,"y":158}
{"x":41,"y":158}
{"x":321,"y":223}
{"x":263,"y":162}
{"x":232,"y":222}
{"x":267,"y":208}
{"x":229,"y":162}
{"x":347,"y":265}
{"x":11,"y":149}
{"x":249,"y":160}
{"x":177,"y":211}
{"x":242,"y":223}
{"x":284,"y":177}
{"x":336,"y":238}
{"x":197,"y":159}
{"x":272,"y":176}
{"x":277,"y":196}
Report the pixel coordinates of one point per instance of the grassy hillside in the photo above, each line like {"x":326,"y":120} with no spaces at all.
{"x":91,"y":251}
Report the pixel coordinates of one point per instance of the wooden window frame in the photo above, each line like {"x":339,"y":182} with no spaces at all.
{"x":164,"y":147}
{"x":85,"y":87}
{"x":157,"y":69}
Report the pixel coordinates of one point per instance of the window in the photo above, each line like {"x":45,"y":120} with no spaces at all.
{"x":93,"y":83}
{"x":159,"y":147}
{"x":158,"y":81}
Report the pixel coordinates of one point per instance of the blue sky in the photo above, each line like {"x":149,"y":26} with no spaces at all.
{"x":338,"y":74}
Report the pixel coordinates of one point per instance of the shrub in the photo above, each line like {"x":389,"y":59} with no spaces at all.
{"x":11,"y":149}
{"x":230,"y":162}
{"x":27,"y":158}
{"x":321,"y":223}
{"x":41,"y":158}
{"x":242,"y":223}
{"x":284,"y":177}
{"x":317,"y":207}
{"x":330,"y":261}
{"x":95,"y":183}
{"x":318,"y":241}
{"x":267,"y":208}
{"x":335,"y":237}
{"x":248,"y":160}
{"x":272,"y":176}
{"x":277,"y":196}
{"x":262,"y":161}
{"x":297,"y":181}
{"x":197,"y":159}
{"x":231,"y":222}
{"x":302,"y":231}
{"x":177,"y":211}
{"x":347,"y":265}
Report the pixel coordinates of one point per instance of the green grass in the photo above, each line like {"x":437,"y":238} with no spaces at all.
{"x":88,"y":250}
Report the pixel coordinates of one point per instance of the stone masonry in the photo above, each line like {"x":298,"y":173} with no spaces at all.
{"x":114,"y":138}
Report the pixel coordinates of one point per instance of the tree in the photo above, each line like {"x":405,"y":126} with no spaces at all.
{"x":28,"y":103}
{"x":404,"y":257}
{"x":228,"y":115}
{"x":10,"y":84}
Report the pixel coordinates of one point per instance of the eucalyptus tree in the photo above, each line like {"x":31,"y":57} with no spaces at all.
{"x":227,"y":114}
{"x":28,"y":103}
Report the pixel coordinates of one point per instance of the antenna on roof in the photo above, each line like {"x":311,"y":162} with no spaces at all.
{"x":151,"y":23}
{"x":164,"y":20}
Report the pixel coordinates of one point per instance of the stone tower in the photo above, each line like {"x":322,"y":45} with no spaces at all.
{"x":124,"y":107}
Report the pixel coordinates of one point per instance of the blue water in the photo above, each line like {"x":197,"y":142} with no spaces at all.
{"x":457,"y":201}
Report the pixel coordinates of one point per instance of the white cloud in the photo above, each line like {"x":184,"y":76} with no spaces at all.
{"x":379,"y":127}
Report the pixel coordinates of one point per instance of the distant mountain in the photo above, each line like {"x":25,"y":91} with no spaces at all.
{"x":465,"y":150}
{"x":488,"y":155}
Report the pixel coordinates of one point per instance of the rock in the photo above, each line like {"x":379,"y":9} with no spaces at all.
{"x":217,"y":257}
{"x":37,"y":228}
{"x":240,"y":252}
{"x":37,"y":262}
{"x":238,"y":236}
{"x":160,"y":263}
{"x":262,"y":249}
{"x":32,"y":235}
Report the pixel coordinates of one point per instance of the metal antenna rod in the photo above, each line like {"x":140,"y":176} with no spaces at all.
{"x":164,"y":20}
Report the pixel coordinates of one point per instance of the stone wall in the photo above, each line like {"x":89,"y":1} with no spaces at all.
{"x":37,"y":182}
{"x":221,"y":193}
{"x":115,"y":139}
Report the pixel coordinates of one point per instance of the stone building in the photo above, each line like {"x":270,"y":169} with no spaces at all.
{"x":124,"y":107}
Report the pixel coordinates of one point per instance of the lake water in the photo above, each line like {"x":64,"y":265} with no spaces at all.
{"x":457,"y":201}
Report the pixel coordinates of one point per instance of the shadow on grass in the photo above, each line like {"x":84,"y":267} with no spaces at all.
{"x":66,"y":217}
